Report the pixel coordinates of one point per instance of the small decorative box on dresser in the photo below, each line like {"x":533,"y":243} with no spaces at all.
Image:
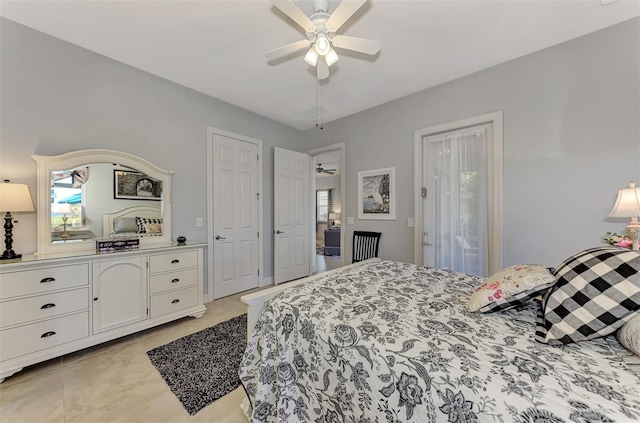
{"x":53,"y":306}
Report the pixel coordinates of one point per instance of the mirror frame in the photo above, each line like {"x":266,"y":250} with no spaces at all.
{"x":74,"y":159}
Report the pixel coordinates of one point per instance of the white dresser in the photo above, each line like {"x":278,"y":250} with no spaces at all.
{"x":53,"y":306}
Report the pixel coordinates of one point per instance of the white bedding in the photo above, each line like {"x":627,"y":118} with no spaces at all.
{"x":393,"y":341}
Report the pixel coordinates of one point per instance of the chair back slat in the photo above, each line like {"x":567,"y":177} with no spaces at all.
{"x":365,"y":245}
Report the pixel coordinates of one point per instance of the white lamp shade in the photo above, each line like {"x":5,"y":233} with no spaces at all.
{"x":64,"y":208}
{"x":331,"y":57}
{"x":322,"y":45}
{"x":628,"y":203}
{"x":311,"y":57}
{"x":334,"y":216}
{"x":15,"y":198}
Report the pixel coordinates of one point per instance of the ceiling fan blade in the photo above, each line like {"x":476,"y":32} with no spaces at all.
{"x":287,"y":50}
{"x":343,"y":12}
{"x":361,"y":45}
{"x":322,"y":69}
{"x":296,"y":15}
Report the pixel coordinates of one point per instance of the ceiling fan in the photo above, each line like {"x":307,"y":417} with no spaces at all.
{"x":320,"y":169}
{"x":321,"y":29}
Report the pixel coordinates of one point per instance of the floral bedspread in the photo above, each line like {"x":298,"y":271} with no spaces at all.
{"x":393,"y":342}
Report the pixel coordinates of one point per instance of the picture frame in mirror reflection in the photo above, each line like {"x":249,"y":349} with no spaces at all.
{"x":131,"y":185}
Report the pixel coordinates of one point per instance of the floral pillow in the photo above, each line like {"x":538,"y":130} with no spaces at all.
{"x":153,"y":228}
{"x":510,"y":287}
{"x":143,"y":221}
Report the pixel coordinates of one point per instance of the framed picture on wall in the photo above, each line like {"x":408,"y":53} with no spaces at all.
{"x":377,"y":194}
{"x":131,"y":185}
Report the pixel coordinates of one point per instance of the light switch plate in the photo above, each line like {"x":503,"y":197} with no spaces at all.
{"x":198,"y":221}
{"x":349,"y":220}
{"x":410,"y":222}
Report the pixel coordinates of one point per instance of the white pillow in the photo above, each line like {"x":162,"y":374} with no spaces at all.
{"x":629,"y":335}
{"x":125,"y":225}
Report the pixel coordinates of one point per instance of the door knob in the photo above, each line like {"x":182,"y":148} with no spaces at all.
{"x":220,"y":237}
{"x":279,"y":232}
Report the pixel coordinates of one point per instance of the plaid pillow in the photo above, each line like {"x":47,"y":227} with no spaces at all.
{"x":142,"y":221}
{"x":597,"y":291}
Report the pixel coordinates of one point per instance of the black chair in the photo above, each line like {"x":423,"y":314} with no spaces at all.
{"x":365,"y":245}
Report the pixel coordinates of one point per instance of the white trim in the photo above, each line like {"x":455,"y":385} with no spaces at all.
{"x":343,"y":199}
{"x":313,"y":164}
{"x":494,"y":200}
{"x":211,"y":131}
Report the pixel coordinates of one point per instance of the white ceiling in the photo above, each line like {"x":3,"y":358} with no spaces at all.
{"x":217,"y":47}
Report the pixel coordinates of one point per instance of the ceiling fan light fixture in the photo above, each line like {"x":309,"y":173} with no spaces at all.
{"x":322,"y":45}
{"x":311,"y":57}
{"x":331,"y":57}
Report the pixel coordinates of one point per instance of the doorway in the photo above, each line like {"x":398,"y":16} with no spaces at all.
{"x":328,"y":233}
{"x":458,"y":179}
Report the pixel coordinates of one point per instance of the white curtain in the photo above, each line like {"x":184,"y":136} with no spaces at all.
{"x":456,"y":166}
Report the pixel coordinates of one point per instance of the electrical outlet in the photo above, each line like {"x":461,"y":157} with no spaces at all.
{"x":410,"y":222}
{"x":349,"y":220}
{"x":198,"y":221}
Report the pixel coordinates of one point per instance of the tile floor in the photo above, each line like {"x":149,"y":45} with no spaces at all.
{"x":115,"y":382}
{"x":325,"y":263}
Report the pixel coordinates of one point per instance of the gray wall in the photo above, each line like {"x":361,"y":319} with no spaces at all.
{"x":571,"y":140}
{"x":56,"y":97}
{"x":571,"y":135}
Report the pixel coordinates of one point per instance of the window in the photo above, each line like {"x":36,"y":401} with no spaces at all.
{"x":324,"y":204}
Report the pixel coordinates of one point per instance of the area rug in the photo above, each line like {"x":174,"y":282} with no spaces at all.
{"x":202,"y":367}
{"x":320,"y":249}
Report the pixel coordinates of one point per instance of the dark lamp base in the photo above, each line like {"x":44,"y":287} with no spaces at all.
{"x":10,"y":255}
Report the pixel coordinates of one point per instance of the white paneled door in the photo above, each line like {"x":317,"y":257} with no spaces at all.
{"x":291,"y":215}
{"x":235,"y":216}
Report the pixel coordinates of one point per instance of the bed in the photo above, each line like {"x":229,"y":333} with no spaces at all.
{"x":388,"y":341}
{"x":127,"y":216}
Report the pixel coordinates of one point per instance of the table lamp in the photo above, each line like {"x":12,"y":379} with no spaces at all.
{"x":333,"y":216}
{"x":628,"y":205}
{"x":13,"y":198}
{"x":63,"y":209}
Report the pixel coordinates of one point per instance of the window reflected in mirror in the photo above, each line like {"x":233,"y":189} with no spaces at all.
{"x":67,"y":204}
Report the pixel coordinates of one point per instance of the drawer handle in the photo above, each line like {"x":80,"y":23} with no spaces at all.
{"x":49,"y":305}
{"x":45,"y":280}
{"x":175,"y":301}
{"x":175,"y":280}
{"x":175,"y":261}
{"x":47,"y":334}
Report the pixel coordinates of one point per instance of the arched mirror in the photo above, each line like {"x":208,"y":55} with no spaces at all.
{"x":89,"y":194}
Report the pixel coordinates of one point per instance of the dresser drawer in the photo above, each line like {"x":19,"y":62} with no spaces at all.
{"x":174,"y":261}
{"x":39,"y":281}
{"x":173,"y":300}
{"x":39,"y":336}
{"x":43,"y":306}
{"x":173,"y":280}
